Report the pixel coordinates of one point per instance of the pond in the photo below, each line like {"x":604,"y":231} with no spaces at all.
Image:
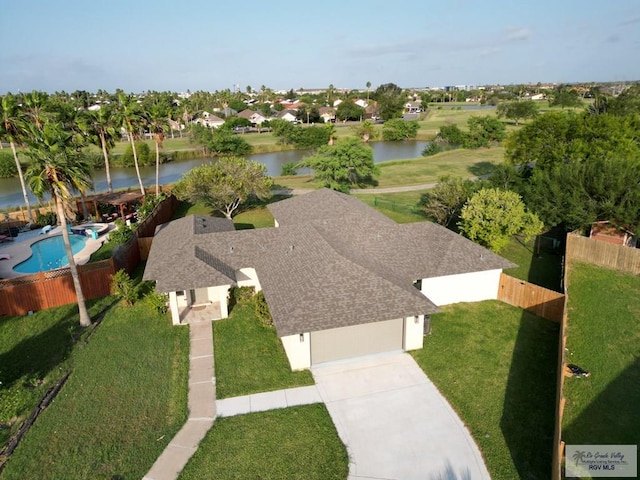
{"x":11,"y":193}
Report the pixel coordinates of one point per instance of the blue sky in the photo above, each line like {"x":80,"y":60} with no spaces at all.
{"x":140,"y":45}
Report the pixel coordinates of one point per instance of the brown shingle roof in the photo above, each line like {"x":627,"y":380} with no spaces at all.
{"x":332,"y":262}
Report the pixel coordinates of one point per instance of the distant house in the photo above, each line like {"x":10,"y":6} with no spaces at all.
{"x":336,"y":103}
{"x":254,"y":117}
{"x":328,"y":114}
{"x":609,"y":233}
{"x":209,"y":120}
{"x":361,"y":103}
{"x":288,"y":115}
{"x":413,"y":107}
{"x":341,"y":280}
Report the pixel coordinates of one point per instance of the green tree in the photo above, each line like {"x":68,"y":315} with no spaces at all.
{"x":398,"y":129}
{"x":12,"y":130}
{"x":492,"y":216}
{"x":132,"y":121}
{"x":348,"y":110}
{"x":158,"y":123}
{"x":348,"y":162}
{"x":58,"y":169}
{"x":565,"y":96}
{"x":390,"y":100}
{"x":453,"y":135}
{"x":225,"y":184}
{"x":365,"y":130}
{"x":518,"y":110}
{"x":100,"y":128}
{"x":627,"y":103}
{"x":224,"y":142}
{"x":483,"y":131}
{"x":368,"y":88}
{"x":444,"y":202}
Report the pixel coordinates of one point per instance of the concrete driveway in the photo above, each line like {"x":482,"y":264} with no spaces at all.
{"x":395,"y":423}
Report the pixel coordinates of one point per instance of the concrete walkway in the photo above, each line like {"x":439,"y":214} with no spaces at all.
{"x":261,"y":402}
{"x":395,"y":423}
{"x":201,"y":402}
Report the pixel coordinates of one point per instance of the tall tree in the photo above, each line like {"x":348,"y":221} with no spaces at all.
{"x":58,"y":169}
{"x":390,"y":100}
{"x":158,"y":121}
{"x":35,"y":107}
{"x":225,"y":184}
{"x":132,"y":120}
{"x":100,"y":127}
{"x":368,"y":88}
{"x":444,"y":202}
{"x":521,"y":109}
{"x":11,"y":130}
{"x":365,"y":130}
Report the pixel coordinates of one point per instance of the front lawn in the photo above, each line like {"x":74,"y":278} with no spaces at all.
{"x":603,"y":338}
{"x":249,"y":357}
{"x":292,"y":443}
{"x":496,"y":365}
{"x":124,"y":401}
{"x":402,"y":207}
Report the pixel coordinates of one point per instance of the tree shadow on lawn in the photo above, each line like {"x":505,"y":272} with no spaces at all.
{"x":36,"y":356}
{"x":528,"y":413}
{"x":480,"y":169}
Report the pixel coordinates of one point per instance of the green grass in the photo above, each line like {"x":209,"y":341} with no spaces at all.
{"x":457,"y":163}
{"x":496,"y":365}
{"x":400,"y":206}
{"x":124,"y":401}
{"x":292,"y":443}
{"x":604,"y":339}
{"x":249,"y":357}
{"x":34,"y":351}
{"x":258,"y":217}
{"x":542,"y":267}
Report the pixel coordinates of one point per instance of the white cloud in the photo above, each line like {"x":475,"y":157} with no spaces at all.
{"x":517,"y":34}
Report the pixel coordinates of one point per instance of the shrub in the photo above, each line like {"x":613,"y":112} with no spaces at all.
{"x":8,"y":167}
{"x":432,"y":149}
{"x":122,"y":233}
{"x":145,"y":157}
{"x":398,"y":129}
{"x":157,"y":301}
{"x":124,"y":287}
{"x":242,"y":295}
{"x":289,"y":168}
{"x":47,"y":218}
{"x":149,"y":204}
{"x":261,"y":310}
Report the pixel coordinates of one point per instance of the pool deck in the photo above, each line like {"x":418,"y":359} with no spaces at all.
{"x":20,"y":249}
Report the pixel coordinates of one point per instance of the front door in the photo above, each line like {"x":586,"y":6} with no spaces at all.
{"x":199,"y":296}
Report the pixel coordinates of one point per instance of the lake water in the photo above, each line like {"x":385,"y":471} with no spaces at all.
{"x":11,"y":193}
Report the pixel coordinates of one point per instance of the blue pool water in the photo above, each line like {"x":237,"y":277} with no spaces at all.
{"x":49,"y":254}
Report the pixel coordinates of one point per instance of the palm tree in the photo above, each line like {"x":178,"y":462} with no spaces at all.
{"x":132,"y":119}
{"x":368,"y":87}
{"x":11,"y":130}
{"x":158,"y":121}
{"x":58,"y":169}
{"x":100,"y":126}
{"x":34,"y":104}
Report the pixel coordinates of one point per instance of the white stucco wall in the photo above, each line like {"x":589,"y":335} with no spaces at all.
{"x":413,"y":333}
{"x":220,"y":294}
{"x":247,"y":277}
{"x":465,"y":287}
{"x":174,"y":308}
{"x":298,"y":351}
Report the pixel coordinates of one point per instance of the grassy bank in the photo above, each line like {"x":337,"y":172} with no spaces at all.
{"x":496,"y":365}
{"x":604,"y":339}
{"x":124,"y":401}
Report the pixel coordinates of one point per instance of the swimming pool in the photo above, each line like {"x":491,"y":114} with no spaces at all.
{"x":49,"y":253}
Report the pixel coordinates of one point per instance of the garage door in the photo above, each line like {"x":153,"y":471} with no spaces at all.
{"x":355,"y":341}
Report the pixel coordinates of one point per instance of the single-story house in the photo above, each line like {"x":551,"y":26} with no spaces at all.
{"x":209,"y":120}
{"x":327,"y":114}
{"x":288,"y":115}
{"x":341,"y":279}
{"x":254,"y":117}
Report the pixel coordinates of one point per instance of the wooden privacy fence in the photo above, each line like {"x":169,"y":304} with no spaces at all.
{"x":617,"y":257}
{"x":535,"y":299}
{"x":30,"y":293}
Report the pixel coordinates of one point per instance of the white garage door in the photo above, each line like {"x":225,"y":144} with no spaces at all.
{"x":355,"y":341}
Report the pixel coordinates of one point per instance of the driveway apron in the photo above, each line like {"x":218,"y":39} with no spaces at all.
{"x":394,"y":421}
